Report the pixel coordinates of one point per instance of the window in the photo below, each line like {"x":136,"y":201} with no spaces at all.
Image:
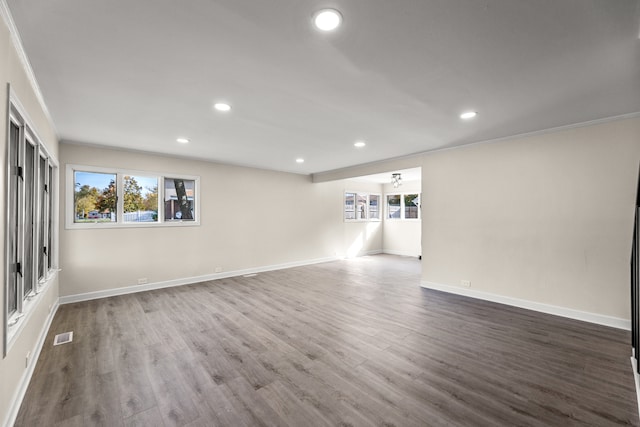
{"x":350,"y":206}
{"x":374,"y":206}
{"x":118,"y":198}
{"x":95,"y":197}
{"x":393,"y":206}
{"x":178,"y":199}
{"x":140,"y":199}
{"x":403,"y":206}
{"x":31,"y":207}
{"x":43,"y":212}
{"x":50,"y":196}
{"x":361,"y":206}
{"x":411,"y":204}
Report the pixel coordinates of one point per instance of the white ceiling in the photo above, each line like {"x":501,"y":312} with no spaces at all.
{"x":139,"y":74}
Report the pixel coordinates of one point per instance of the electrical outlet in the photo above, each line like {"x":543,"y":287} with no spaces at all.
{"x":218,"y":269}
{"x":466,"y":283}
{"x":142,"y":281}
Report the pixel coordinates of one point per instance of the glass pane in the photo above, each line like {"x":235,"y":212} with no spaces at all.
{"x":95,"y":197}
{"x":42,"y":250}
{"x":14,"y":138}
{"x":179,"y":203}
{"x":361,"y":208}
{"x":28,"y":271}
{"x":349,"y":206}
{"x":50,"y":219}
{"x":393,"y":206}
{"x":140,"y":199}
{"x":411,"y":203}
{"x":374,"y":206}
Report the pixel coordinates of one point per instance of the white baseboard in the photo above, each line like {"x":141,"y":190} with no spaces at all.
{"x":600,"y":319}
{"x":401,"y":253}
{"x":10,"y":419}
{"x":68,"y":299}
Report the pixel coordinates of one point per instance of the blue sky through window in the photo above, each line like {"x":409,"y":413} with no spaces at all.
{"x":102,"y":180}
{"x":94,"y":179}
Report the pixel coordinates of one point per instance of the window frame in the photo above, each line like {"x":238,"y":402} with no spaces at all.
{"x":45,"y":221}
{"x":120,"y":222}
{"x":402,"y":206}
{"x":367,"y":212}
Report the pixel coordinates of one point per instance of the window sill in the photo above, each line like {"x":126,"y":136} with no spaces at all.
{"x":103,"y":225}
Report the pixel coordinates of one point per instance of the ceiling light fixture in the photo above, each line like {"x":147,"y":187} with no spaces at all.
{"x":182,"y":140}
{"x":221,"y":106}
{"x":327,"y":19}
{"x":359,"y":144}
{"x":468,"y":115}
{"x":396,"y":180}
{"x":299,"y":160}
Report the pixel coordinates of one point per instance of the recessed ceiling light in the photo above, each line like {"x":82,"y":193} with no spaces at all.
{"x":359,"y":144}
{"x":299,"y":160}
{"x":221,"y":106}
{"x":183,"y":140}
{"x":468,"y":115}
{"x":327,"y":19}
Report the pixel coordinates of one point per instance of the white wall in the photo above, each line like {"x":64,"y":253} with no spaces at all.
{"x":12,"y":367}
{"x":545,"y":218}
{"x":279,"y":218}
{"x":361,"y":238}
{"x":402,"y":237}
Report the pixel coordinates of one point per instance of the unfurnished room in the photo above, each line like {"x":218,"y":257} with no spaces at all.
{"x":311,"y":213}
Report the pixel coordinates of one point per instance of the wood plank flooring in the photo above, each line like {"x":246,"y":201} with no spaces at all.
{"x":347,"y":343}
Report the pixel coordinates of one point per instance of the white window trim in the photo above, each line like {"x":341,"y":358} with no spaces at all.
{"x":368,"y":194}
{"x":402,"y":211}
{"x":120,"y":173}
{"x":15,"y":323}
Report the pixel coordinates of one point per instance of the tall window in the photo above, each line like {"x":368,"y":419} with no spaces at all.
{"x":394,"y":210}
{"x":403,"y":206}
{"x":349,"y":206}
{"x":43,"y":213}
{"x":361,"y":206}
{"x":13,"y":229}
{"x":411,"y":205}
{"x":104,"y":197}
{"x":374,"y":206}
{"x":29,"y":228}
{"x":49,"y":226}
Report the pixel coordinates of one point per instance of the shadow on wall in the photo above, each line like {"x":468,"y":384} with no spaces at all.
{"x":362,"y":243}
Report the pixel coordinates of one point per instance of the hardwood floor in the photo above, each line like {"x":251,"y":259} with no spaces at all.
{"x":348,"y":343}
